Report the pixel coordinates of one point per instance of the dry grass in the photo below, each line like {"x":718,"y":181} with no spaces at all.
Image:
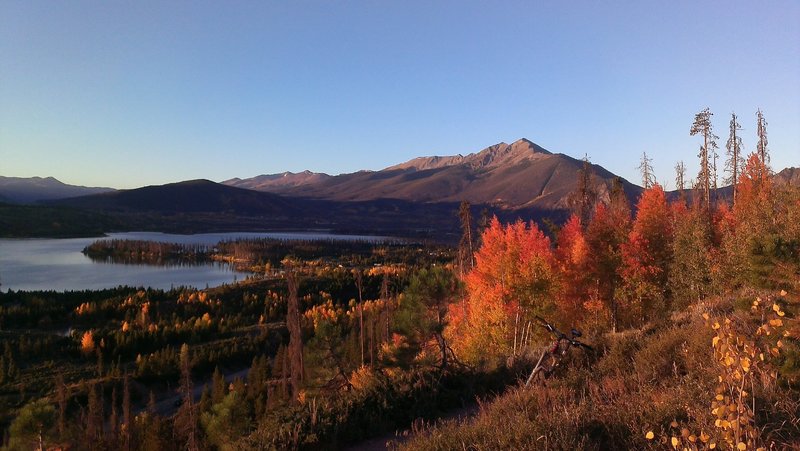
{"x":660,"y":378}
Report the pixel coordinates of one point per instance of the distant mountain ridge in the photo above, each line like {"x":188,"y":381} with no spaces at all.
{"x":270,"y":182}
{"x":201,"y":205}
{"x":788,"y":176}
{"x":417,"y":198}
{"x":493,"y":156}
{"x":509,"y":176}
{"x":26,"y":190}
{"x":192,"y":196}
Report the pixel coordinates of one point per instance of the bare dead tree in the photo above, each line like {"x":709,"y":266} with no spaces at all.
{"x":359,"y":276}
{"x":385,"y":298}
{"x":295,"y":333}
{"x":761,"y":148}
{"x":680,"y":176}
{"x":646,"y":168}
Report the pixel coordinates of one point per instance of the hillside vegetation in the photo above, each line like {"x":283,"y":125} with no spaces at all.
{"x":690,"y":306}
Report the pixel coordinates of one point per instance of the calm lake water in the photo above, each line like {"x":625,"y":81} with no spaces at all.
{"x":58,"y":264}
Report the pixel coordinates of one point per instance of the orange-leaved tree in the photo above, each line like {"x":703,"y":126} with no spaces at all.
{"x":762,"y":245}
{"x":646,"y":257}
{"x":514,"y":278}
{"x":572,"y":256}
{"x":605,"y":235}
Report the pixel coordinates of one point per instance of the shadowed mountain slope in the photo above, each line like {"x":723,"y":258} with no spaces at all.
{"x":25,"y":190}
{"x":192,"y":196}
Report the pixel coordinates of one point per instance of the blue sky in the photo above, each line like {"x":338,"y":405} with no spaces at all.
{"x":126,"y":94}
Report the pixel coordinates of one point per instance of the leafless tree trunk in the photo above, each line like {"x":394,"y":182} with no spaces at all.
{"x":763,"y":152}
{"x":359,"y":285}
{"x":295,"y":334}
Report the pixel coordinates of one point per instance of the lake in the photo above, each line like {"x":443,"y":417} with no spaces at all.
{"x":58,"y":264}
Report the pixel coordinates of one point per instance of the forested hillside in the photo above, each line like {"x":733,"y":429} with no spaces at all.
{"x":688,"y":308}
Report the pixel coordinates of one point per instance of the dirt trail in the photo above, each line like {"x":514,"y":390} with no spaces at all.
{"x":168,"y":406}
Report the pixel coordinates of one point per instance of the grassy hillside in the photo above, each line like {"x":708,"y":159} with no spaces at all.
{"x":664,"y":379}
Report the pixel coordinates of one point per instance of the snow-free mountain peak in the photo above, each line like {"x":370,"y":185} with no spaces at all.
{"x":499,"y":154}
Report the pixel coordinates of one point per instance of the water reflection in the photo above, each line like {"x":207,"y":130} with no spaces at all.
{"x":58,"y":264}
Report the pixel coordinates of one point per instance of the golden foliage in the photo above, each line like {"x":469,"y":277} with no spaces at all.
{"x":87,"y":342}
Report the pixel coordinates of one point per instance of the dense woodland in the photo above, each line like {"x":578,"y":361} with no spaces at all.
{"x":690,"y":306}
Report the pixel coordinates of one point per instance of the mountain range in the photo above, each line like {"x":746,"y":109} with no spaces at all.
{"x":520,"y":175}
{"x":517,"y":180}
{"x":24,"y":190}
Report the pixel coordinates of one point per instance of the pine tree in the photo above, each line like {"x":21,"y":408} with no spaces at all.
{"x":113,"y":420}
{"x":218,"y":387}
{"x":465,"y":251}
{"x":583,"y":199}
{"x":94,"y":420}
{"x":422,"y":314}
{"x":186,"y":417}
{"x":61,"y":398}
{"x":126,"y":413}
{"x":735,"y":161}
{"x":690,"y":270}
{"x":151,"y":440}
{"x":708,"y":153}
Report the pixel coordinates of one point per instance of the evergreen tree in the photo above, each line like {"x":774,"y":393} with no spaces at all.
{"x":465,"y":252}
{"x":218,"y":387}
{"x":584,"y":198}
{"x":31,"y":427}
{"x":126,"y":414}
{"x":186,"y":417}
{"x":227,"y":421}
{"x":94,"y":417}
{"x":113,"y":420}
{"x":690,"y":270}
{"x":423,"y":311}
{"x":735,"y":161}
{"x":61,"y":398}
{"x":708,"y":153}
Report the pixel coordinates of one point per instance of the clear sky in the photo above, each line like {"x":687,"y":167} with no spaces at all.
{"x":126,"y":94}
